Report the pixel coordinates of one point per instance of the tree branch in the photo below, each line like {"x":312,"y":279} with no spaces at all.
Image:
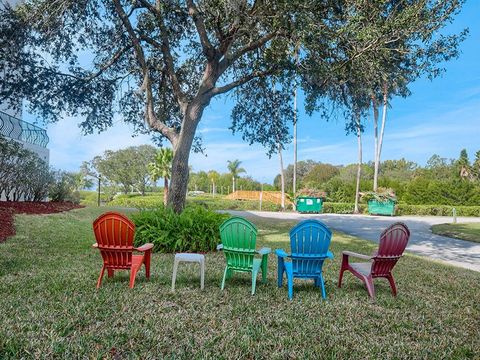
{"x":150,"y":115}
{"x":167,"y":53}
{"x":239,"y":82}
{"x":229,"y":59}
{"x":111,"y":62}
{"x":199,"y":21}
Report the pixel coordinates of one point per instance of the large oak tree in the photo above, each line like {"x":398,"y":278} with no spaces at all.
{"x":160,"y":63}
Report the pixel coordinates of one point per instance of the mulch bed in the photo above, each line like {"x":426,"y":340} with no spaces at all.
{"x":9,"y":208}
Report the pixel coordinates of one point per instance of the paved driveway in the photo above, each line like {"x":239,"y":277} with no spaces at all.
{"x":461,"y":253}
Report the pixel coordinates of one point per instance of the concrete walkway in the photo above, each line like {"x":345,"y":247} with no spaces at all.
{"x":423,"y":242}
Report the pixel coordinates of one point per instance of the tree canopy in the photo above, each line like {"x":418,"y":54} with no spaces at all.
{"x":159,"y":63}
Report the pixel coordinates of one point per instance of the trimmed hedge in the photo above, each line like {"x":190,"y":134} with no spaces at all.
{"x":218,"y":203}
{"x":437,"y":210}
{"x":342,"y":208}
{"x":404,"y":209}
{"x":195,"y":229}
{"x":137,"y":201}
{"x":90,"y":198}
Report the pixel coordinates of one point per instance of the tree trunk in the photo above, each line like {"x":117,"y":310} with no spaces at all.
{"x":359,"y":166}
{"x":233,"y":184}
{"x":375,"y":133}
{"x":282,"y":177}
{"x":165,"y":191}
{"x":384,"y":120}
{"x":181,"y":153}
{"x":295,"y":132}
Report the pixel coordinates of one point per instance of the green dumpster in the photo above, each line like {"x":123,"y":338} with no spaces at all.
{"x":307,"y":204}
{"x":376,"y":207}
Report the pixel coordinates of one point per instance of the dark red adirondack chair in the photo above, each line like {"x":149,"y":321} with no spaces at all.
{"x":393,"y":242}
{"x":114,"y":233}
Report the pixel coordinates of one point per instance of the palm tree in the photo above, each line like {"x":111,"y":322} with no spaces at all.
{"x":161,"y":167}
{"x":235,"y":170}
{"x":213,"y":176}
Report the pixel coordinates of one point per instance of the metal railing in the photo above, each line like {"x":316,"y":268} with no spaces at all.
{"x":21,"y":130}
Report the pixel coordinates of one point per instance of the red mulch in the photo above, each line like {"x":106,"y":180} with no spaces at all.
{"x":9,"y":208}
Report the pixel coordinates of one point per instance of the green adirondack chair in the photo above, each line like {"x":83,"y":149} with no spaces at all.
{"x":239,"y":238}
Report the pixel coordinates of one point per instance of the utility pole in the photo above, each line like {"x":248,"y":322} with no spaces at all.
{"x":99,"y":184}
{"x":295,"y":118}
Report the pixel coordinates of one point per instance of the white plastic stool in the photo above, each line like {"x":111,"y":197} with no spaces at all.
{"x":187,"y":257}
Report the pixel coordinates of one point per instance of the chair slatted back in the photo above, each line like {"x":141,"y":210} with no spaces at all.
{"x":309,"y":242}
{"x":114,"y":233}
{"x":239,"y":239}
{"x":393,"y":242}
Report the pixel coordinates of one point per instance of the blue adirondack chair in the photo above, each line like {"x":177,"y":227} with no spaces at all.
{"x":309,"y":241}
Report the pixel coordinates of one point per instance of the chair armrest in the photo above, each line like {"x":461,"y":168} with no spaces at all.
{"x":95,"y":245}
{"x":330,"y":255}
{"x":264,"y":251}
{"x":357,"y":255}
{"x":145,"y":247}
{"x":281,"y":253}
{"x":219,"y":247}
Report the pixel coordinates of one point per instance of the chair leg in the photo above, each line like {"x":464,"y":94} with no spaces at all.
{"x":229,"y":274}
{"x":322,"y":285}
{"x":264,"y":268}
{"x":280,"y":271}
{"x":342,"y":270}
{"x":146,"y":262}
{"x":99,"y":282}
{"x":133,"y":274}
{"x":254,"y":279}
{"x":174,"y":275}
{"x":289,"y":272}
{"x":202,"y":274}
{"x":225,"y":273}
{"x":110,"y":273}
{"x":391,"y":280}
{"x":370,"y":287}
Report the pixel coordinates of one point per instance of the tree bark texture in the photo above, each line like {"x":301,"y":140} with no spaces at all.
{"x":282,"y":177}
{"x":181,"y":153}
{"x":359,"y":166}
{"x":375,"y":134}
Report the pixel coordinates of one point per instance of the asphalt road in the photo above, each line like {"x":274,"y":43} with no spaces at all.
{"x":423,"y":242}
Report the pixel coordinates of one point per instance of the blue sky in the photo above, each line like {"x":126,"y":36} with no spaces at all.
{"x":439,"y":117}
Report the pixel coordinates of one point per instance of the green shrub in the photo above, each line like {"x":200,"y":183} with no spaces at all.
{"x":90,"y":198}
{"x":437,"y":210}
{"x":137,"y":201}
{"x":404,"y":209}
{"x":457,"y":192}
{"x":342,"y":208}
{"x":196,"y":229}
{"x":63,"y":187}
{"x":217,"y":203}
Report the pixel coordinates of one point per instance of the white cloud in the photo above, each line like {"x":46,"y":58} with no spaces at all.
{"x":208,"y":130}
{"x":68,"y":147}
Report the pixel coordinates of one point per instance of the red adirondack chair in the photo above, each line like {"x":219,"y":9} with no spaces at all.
{"x":114,"y":233}
{"x":393,"y":242}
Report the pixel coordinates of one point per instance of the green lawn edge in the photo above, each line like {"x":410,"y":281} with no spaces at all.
{"x":50,"y":308}
{"x":462,"y":231}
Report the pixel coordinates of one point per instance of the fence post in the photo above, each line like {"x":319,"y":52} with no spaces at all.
{"x":454,"y":211}
{"x":261,"y":197}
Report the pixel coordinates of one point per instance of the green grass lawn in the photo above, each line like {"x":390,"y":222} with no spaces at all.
{"x":465,"y":231}
{"x":49,"y":307}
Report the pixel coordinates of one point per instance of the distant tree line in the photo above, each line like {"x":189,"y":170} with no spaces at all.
{"x":204,"y":181}
{"x":441,"y":181}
